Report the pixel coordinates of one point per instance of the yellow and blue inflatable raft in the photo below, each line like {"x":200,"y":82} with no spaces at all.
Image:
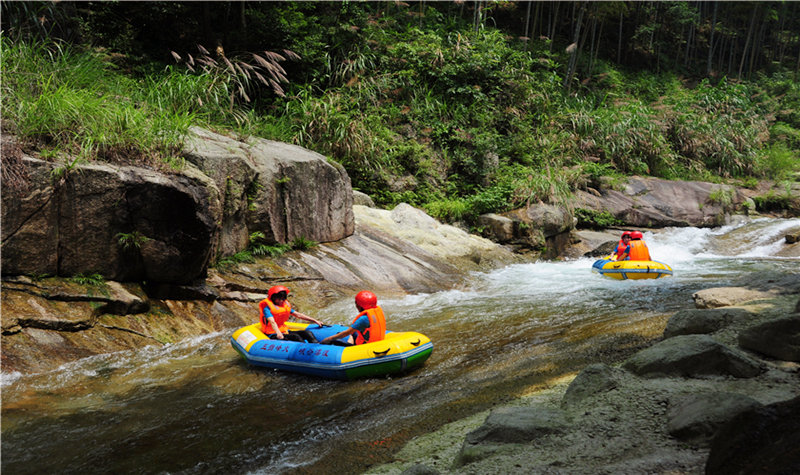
{"x":397,"y":353}
{"x":635,"y":270}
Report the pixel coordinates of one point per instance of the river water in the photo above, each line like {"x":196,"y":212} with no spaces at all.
{"x":196,"y":407}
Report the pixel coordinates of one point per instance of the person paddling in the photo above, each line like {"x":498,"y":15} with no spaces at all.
{"x":275,"y":310}
{"x":623,"y":250}
{"x":368,"y":326}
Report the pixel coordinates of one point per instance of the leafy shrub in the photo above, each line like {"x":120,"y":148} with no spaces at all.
{"x":592,"y":219}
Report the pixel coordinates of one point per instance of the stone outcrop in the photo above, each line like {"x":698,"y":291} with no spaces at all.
{"x":693,"y":321}
{"x":541,"y":227}
{"x":125,"y":223}
{"x":779,"y":338}
{"x":281,"y":190}
{"x":692,"y":356}
{"x":135,"y":224}
{"x":758,"y":440}
{"x":653,"y":202}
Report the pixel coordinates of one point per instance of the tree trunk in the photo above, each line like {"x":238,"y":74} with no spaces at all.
{"x":711,"y":40}
{"x":749,"y":38}
{"x":527,"y":25}
{"x":573,"y":59}
{"x":619,"y":42}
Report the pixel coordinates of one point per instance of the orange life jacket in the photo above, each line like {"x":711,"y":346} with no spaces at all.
{"x":639,"y":251}
{"x":620,"y":250}
{"x":377,"y":326}
{"x":281,"y":314}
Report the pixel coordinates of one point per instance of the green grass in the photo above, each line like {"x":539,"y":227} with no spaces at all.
{"x":456,"y":121}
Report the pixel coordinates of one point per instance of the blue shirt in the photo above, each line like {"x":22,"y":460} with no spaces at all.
{"x":361,"y":324}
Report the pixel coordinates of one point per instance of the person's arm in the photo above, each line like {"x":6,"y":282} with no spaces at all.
{"x":341,"y":334}
{"x":278,"y":333}
{"x":625,"y":255}
{"x":305,"y":317}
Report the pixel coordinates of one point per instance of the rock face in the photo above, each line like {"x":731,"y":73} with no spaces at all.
{"x":282,"y":190}
{"x":759,"y":440}
{"x":539,"y":226}
{"x":652,"y":202}
{"x":692,"y":322}
{"x":692,"y":356}
{"x":135,"y":224}
{"x":779,"y":339}
{"x":124,"y":223}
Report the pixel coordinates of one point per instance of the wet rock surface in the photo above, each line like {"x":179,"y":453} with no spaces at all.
{"x":709,"y":406}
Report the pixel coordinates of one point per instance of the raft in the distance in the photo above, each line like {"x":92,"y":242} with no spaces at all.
{"x":631,"y":269}
{"x":398,"y":352}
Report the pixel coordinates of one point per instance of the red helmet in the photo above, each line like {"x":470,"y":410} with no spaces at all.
{"x":277,"y":289}
{"x":366,"y":299}
{"x":626,"y":233}
{"x":636,"y":235}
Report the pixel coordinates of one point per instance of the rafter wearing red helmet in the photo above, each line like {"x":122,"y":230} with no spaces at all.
{"x":275,"y":310}
{"x":368,"y":326}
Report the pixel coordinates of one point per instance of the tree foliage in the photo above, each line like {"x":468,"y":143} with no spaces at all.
{"x":461,"y":107}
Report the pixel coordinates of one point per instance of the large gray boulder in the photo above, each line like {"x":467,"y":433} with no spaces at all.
{"x":137,"y":224}
{"x":697,"y":417}
{"x":653,"y":202}
{"x":692,"y":356}
{"x":595,"y":379}
{"x":125,"y":223}
{"x":281,"y":190}
{"x":779,"y":338}
{"x":697,"y":321}
{"x":759,"y":440}
{"x":538,"y":226}
{"x":511,"y":425}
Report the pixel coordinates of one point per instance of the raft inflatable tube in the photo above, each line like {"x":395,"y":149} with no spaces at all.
{"x":635,"y":270}
{"x":398,"y":352}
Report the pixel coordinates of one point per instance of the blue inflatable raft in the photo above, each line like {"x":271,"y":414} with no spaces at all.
{"x":397,"y":353}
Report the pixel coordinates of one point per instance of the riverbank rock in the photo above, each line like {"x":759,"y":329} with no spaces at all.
{"x":124,"y":223}
{"x":511,"y":425}
{"x":692,"y":321}
{"x":594,"y":379}
{"x":759,"y":440}
{"x":281,"y":190}
{"x":692,"y":356}
{"x":133,"y":224}
{"x":541,"y":227}
{"x":443,"y":241}
{"x":696,"y":418}
{"x":726,"y":296}
{"x":653,"y":202}
{"x":779,"y":338}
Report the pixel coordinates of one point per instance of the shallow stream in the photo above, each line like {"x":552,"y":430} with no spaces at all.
{"x":196,"y":407}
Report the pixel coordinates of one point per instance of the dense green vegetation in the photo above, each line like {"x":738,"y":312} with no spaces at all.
{"x":460,"y":108}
